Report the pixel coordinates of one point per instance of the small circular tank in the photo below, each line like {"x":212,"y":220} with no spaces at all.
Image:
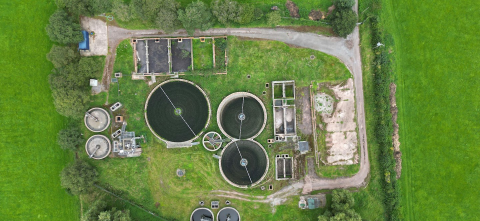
{"x":97,"y":119}
{"x":98,"y":147}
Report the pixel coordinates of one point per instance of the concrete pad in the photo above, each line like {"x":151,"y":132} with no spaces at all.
{"x":341,"y":138}
{"x":99,"y":41}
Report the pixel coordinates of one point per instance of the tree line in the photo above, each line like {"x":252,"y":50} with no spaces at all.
{"x":168,"y":16}
{"x":383,"y":77}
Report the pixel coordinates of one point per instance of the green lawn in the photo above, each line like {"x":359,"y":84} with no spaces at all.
{"x":151,"y":179}
{"x":202,"y":54}
{"x":438,"y":98}
{"x":31,"y":160}
{"x":124,"y":59}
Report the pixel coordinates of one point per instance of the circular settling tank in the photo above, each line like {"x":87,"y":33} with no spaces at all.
{"x":98,"y":147}
{"x":242,"y":155}
{"x":241,"y":111}
{"x":228,"y":213}
{"x":201,"y":214}
{"x":97,"y":119}
{"x":177,"y":111}
{"x":212,"y":141}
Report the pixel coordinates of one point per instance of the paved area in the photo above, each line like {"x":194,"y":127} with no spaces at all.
{"x":98,"y":41}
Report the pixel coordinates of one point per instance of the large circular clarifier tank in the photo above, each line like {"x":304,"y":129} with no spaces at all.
{"x":241,"y":109}
{"x":177,"y":111}
{"x":240,"y":154}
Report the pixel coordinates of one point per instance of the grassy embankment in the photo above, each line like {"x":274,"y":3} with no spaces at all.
{"x":151,"y":178}
{"x":31,"y":160}
{"x":438,"y":86}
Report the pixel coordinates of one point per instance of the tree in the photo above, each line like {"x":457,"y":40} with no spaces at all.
{"x":225,"y":11}
{"x":62,"y":29}
{"x":247,"y":14}
{"x":77,"y":7}
{"x":122,"y":11}
{"x":69,"y":100}
{"x":167,"y":18}
{"x":344,"y":3}
{"x":196,"y":16}
{"x":78,"y":177}
{"x":114,"y":215}
{"x":341,"y":208}
{"x":148,"y":10}
{"x":61,"y":56}
{"x":100,"y":6}
{"x":70,"y":138}
{"x":343,"y":21}
{"x":69,"y":86}
{"x":273,"y":18}
{"x":95,"y":209}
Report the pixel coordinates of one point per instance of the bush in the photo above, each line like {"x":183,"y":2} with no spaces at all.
{"x":196,"y":16}
{"x":62,"y":29}
{"x":247,"y":14}
{"x":70,"y":138}
{"x":274,"y":18}
{"x":343,"y":21}
{"x":258,"y":13}
{"x":78,"y":177}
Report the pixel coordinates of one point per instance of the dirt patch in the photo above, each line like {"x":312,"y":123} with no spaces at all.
{"x":330,"y":10}
{"x":311,"y":166}
{"x":315,"y":29}
{"x":323,"y":103}
{"x":316,"y":15}
{"x":395,"y":137}
{"x":341,"y":135}
{"x":241,"y":38}
{"x":302,"y":102}
{"x":293,"y":8}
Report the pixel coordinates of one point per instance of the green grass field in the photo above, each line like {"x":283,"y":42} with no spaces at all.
{"x":202,"y":54}
{"x":438,"y":97}
{"x":31,"y":160}
{"x":151,"y":178}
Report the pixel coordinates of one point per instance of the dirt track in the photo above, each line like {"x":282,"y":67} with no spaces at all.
{"x":347,"y":50}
